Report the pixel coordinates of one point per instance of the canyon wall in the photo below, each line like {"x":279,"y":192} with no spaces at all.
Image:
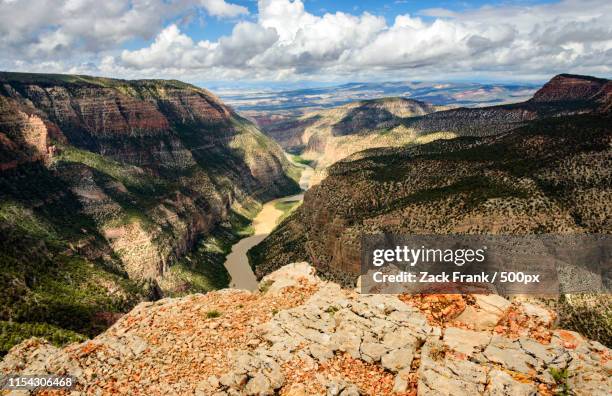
{"x":122,"y":178}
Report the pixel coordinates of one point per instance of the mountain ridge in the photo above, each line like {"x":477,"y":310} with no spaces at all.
{"x":308,"y":134}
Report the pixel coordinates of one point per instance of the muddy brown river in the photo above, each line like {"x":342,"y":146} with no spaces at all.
{"x":237,"y":263}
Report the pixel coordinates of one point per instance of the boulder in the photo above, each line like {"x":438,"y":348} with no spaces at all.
{"x":287,"y":276}
{"x":489,"y":309}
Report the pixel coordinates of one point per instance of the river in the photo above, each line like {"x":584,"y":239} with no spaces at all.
{"x":237,"y":263}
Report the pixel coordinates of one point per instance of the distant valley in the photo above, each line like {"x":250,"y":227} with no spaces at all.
{"x":258,"y":103}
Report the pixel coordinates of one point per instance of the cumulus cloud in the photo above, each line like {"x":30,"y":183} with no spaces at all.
{"x":220,"y":8}
{"x":52,"y":29}
{"x":287,"y":41}
{"x":172,"y":48}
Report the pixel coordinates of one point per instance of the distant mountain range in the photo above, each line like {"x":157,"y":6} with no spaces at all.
{"x":467,"y":94}
{"x":326,"y":136}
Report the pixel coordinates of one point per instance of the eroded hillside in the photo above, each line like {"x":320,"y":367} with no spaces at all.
{"x":326,"y":136}
{"x":548,"y":176}
{"x":113,"y":191}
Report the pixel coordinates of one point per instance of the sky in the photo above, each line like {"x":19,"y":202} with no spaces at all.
{"x":308,"y":41}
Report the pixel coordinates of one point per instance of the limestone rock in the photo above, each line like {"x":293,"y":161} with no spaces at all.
{"x":322,"y":338}
{"x":510,"y":355}
{"x":259,"y":385}
{"x":541,"y":314}
{"x":287,"y":276}
{"x":490,"y":310}
{"x":397,"y":359}
{"x":502,"y":384}
{"x":400,"y":383}
{"x":464,"y":341}
{"x":441,"y":375}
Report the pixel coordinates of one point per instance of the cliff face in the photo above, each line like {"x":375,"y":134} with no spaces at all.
{"x":568,"y":87}
{"x":126,"y":175}
{"x":165,"y":126}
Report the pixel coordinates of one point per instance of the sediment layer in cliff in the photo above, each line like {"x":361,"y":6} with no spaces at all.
{"x":113,"y":185}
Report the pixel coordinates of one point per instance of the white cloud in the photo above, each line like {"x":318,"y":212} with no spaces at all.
{"x":220,"y":8}
{"x":286,"y":41}
{"x":51,"y":29}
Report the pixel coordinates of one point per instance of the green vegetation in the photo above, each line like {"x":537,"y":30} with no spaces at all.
{"x":560,"y":376}
{"x":132,"y":177}
{"x":265,"y":286}
{"x":471,"y":191}
{"x":44,"y":275}
{"x":12,"y":334}
{"x":295,"y":174}
{"x":300,"y":160}
{"x":213,"y":314}
{"x":287,"y":207}
{"x":332,"y":310}
{"x":82,"y":80}
{"x":588,"y":314}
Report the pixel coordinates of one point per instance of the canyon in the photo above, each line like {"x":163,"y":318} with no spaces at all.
{"x":115,"y":191}
{"x":327,"y":136}
{"x":127,"y":208}
{"x":237,"y":261}
{"x":541,"y":166}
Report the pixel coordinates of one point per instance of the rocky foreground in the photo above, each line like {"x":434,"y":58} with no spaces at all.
{"x":300,"y":335}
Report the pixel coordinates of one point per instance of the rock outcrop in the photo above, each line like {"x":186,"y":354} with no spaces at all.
{"x":305,"y":336}
{"x":569,"y":88}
